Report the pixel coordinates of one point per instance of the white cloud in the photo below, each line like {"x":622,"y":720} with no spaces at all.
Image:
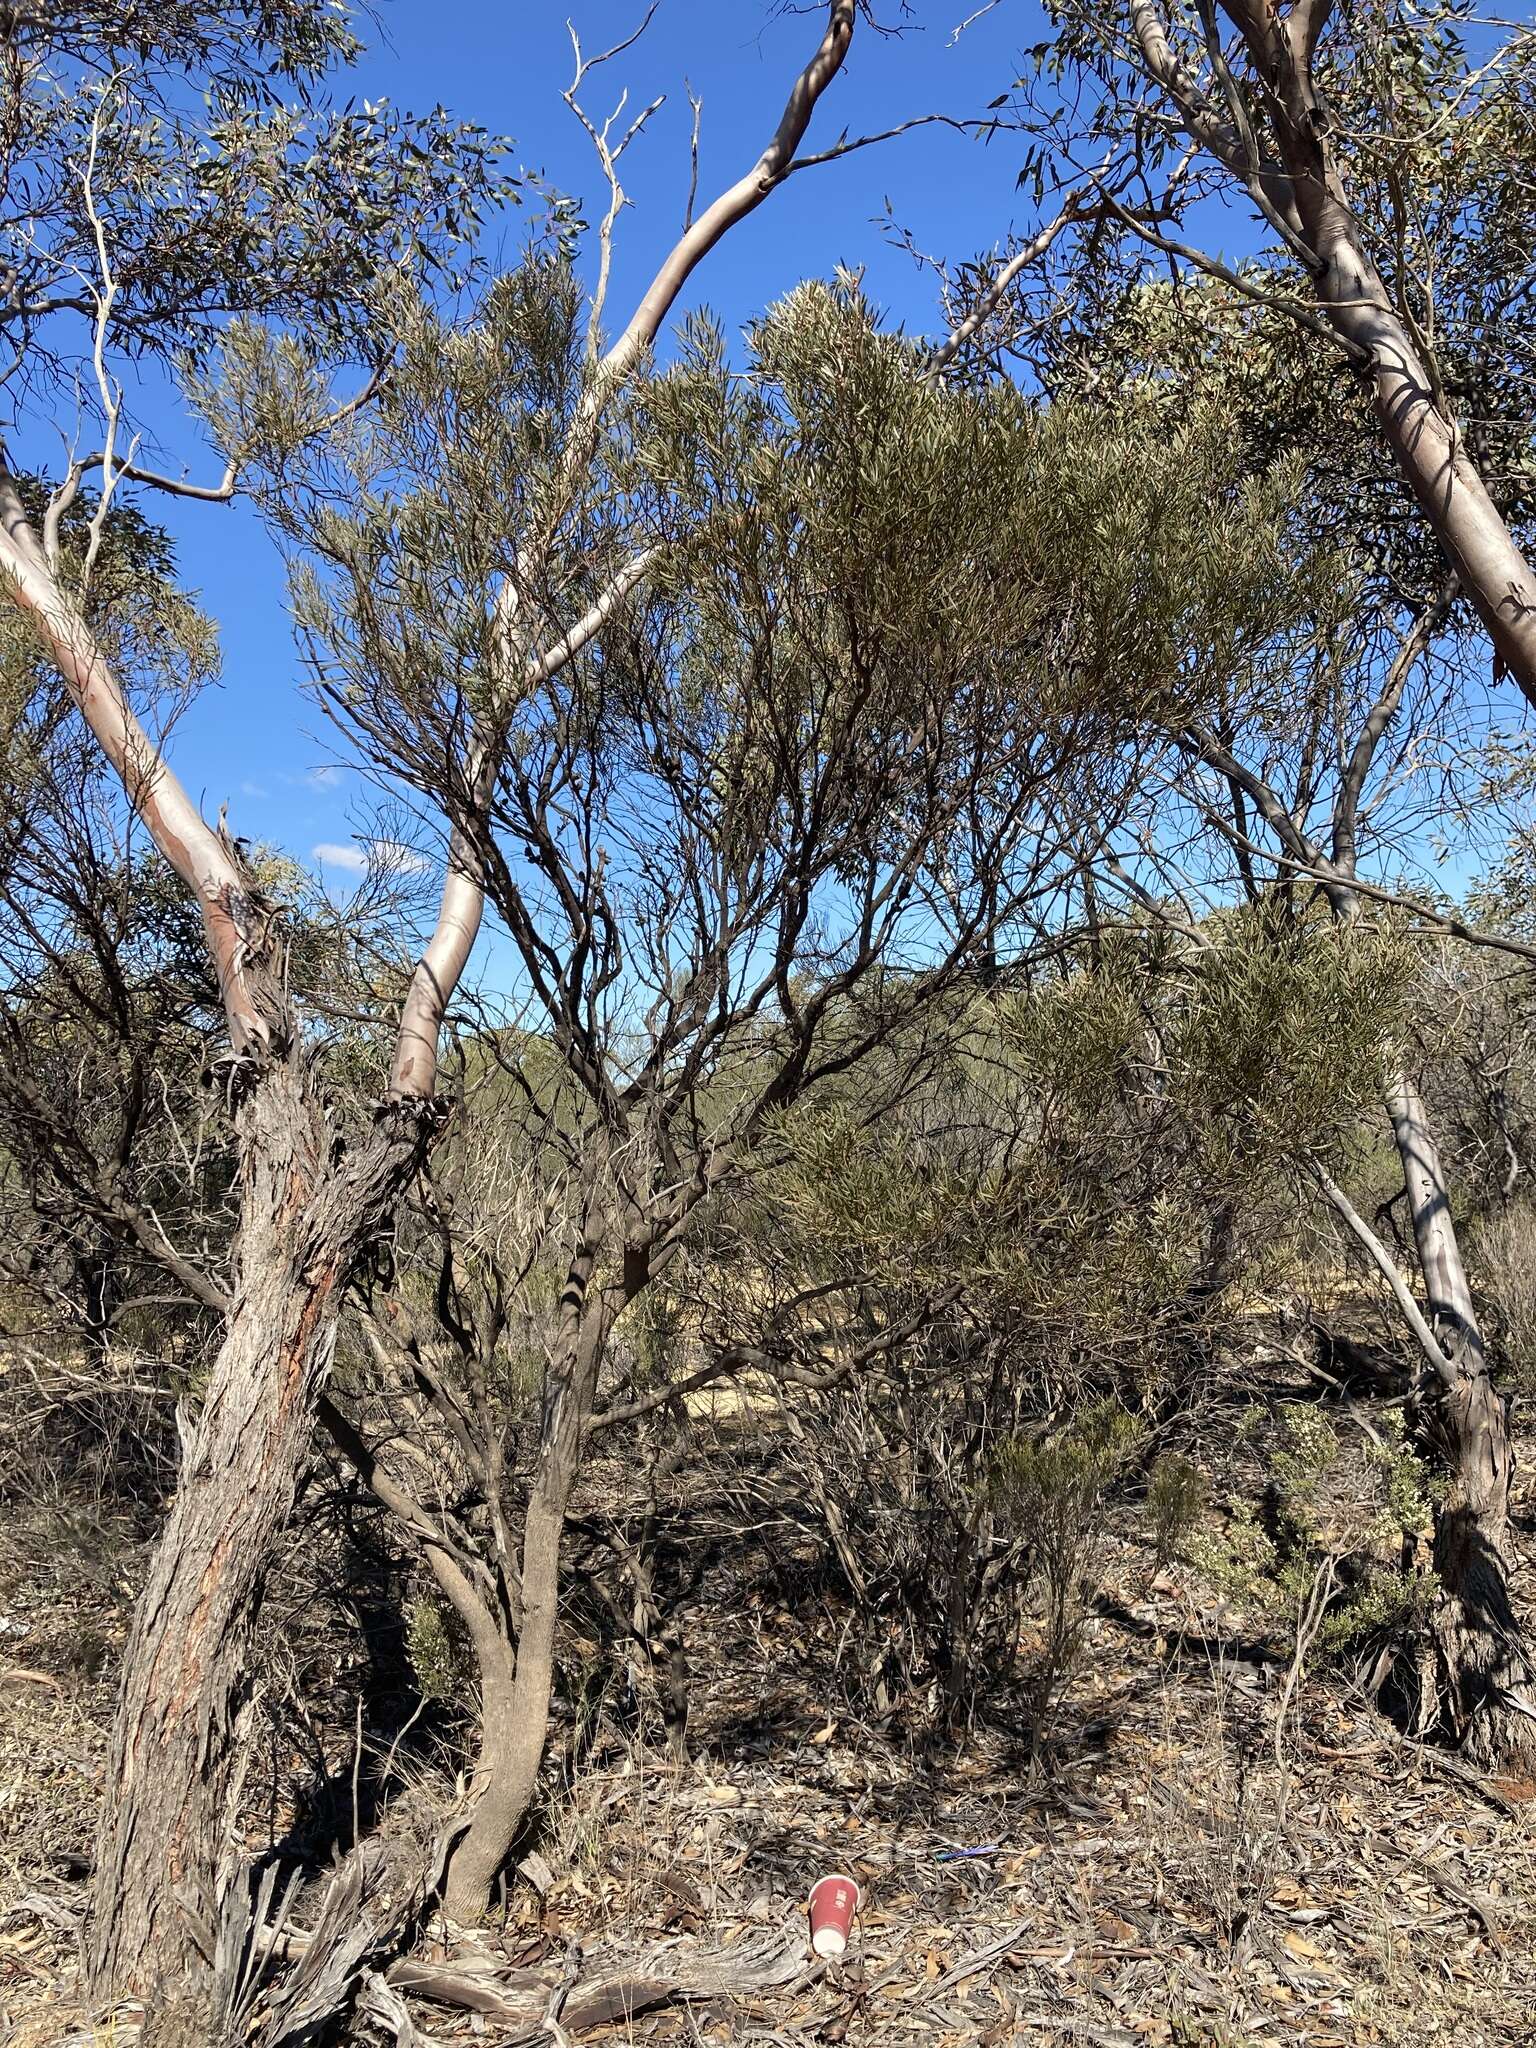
{"x":326,"y":776}
{"x":381,"y":856}
{"x":252,"y":789}
{"x":397,"y":859}
{"x":352,"y":858}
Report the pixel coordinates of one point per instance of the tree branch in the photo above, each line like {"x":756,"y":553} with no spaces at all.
{"x":1292,"y":309}
{"x":1388,"y":1268}
{"x":231,"y":920}
{"x":740,"y":199}
{"x":1379,"y":717}
{"x":993,"y":296}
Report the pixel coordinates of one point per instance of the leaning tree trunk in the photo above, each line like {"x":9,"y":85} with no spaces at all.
{"x":171,"y":1826}
{"x":1424,"y":437}
{"x":1429,"y":445}
{"x":1486,"y":1674}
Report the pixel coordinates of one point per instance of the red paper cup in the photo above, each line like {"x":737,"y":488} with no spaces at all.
{"x":834,"y":1901}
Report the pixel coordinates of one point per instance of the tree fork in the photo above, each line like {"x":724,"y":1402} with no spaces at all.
{"x":308,"y":1209}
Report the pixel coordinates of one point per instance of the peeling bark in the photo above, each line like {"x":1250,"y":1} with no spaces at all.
{"x":1486,"y":1677}
{"x":309,"y":1206}
{"x":171,"y":1825}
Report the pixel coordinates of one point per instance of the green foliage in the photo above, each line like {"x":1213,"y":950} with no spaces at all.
{"x":1267,"y":1557}
{"x":1505,"y":897}
{"x":1052,"y":1492}
{"x":1176,"y":1494}
{"x":218,"y":195}
{"x":403,"y":522}
{"x":1052,"y":1485}
{"x":1440,"y":135}
{"x":1061,"y":1158}
{"x":948,"y":520}
{"x":1285,"y":1031}
{"x":438,"y":1657}
{"x":1502,"y":1257}
{"x":1431,"y":136}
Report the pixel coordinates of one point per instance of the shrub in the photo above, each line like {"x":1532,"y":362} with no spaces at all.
{"x":1325,"y":1500}
{"x":1175,"y":1498}
{"x":1504,"y":1258}
{"x":438,"y":1661}
{"x":1051,"y":1492}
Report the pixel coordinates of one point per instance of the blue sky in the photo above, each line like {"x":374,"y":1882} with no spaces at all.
{"x":254,"y":742}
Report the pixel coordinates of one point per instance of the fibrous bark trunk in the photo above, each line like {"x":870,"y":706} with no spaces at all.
{"x":1485,"y":1672}
{"x":171,"y":1825}
{"x":308,"y":1206}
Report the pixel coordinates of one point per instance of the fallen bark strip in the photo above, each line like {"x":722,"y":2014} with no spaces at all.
{"x":352,"y":1954}
{"x":616,"y":1990}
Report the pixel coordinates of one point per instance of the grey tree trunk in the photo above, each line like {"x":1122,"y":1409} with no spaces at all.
{"x":1486,"y":1677}
{"x":169,"y":1835}
{"x":515,"y":1716}
{"x":515,"y":1696}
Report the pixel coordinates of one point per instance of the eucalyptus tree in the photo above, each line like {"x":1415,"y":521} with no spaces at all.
{"x":1384,"y":154}
{"x":833,"y":755}
{"x":139,"y":227}
{"x":121,"y":1167}
{"x":107,"y":1003}
{"x":1335,"y":757}
{"x":125,"y":244}
{"x":1308,"y":795}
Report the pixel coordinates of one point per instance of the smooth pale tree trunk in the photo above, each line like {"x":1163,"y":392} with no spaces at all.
{"x":515,"y":1671}
{"x":512,"y":1632}
{"x":1434,"y":1225}
{"x":1487,"y":1677}
{"x":515,"y":1715}
{"x":1425,"y":439}
{"x":170,"y":1824}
